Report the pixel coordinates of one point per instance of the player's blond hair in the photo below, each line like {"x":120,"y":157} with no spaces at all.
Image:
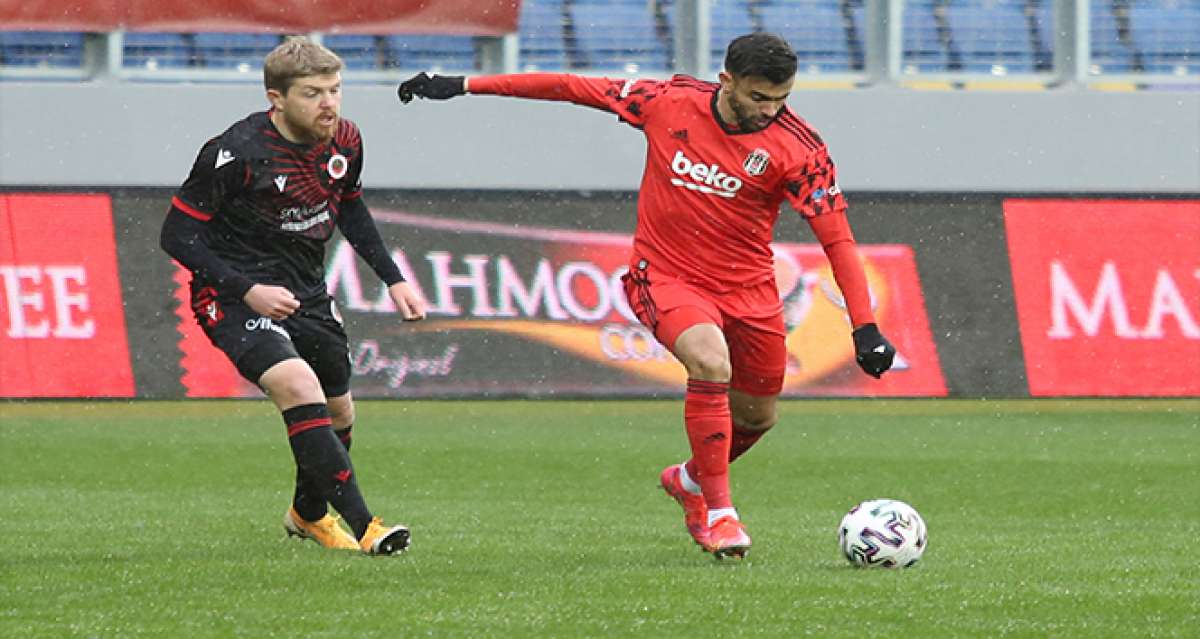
{"x":297,"y":57}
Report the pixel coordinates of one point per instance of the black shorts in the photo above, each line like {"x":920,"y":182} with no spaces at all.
{"x":255,"y":343}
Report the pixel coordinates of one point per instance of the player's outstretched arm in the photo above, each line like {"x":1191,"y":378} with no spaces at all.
{"x":431,"y":87}
{"x":626,"y":98}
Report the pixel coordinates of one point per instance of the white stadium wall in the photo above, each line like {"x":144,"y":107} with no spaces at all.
{"x":884,"y":139}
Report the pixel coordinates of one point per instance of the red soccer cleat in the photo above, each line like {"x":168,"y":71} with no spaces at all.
{"x":727,"y":538}
{"x":695,"y":510}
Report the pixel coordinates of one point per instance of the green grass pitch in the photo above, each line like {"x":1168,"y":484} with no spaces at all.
{"x":543,"y":519}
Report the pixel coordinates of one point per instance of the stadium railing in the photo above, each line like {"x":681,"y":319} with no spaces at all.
{"x":915,"y":43}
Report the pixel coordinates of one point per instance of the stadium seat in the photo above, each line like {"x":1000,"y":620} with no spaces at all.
{"x":1167,"y":32}
{"x":922,"y":50}
{"x":46,"y":49}
{"x":358,"y":52}
{"x":540,"y":32}
{"x":241,"y":51}
{"x":992,"y":35}
{"x":1108,"y":53}
{"x":815,"y":29}
{"x":1042,"y":13}
{"x":857,"y":35}
{"x":157,"y":50}
{"x":431,"y":52}
{"x":619,"y":36}
{"x":730,"y":19}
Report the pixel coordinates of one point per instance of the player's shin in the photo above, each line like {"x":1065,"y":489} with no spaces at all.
{"x":707,"y":418}
{"x":744,"y":439}
{"x":324,"y":464}
{"x":344,"y":436}
{"x":307,"y":499}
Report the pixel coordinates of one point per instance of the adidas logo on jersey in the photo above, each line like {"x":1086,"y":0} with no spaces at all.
{"x":705,"y":178}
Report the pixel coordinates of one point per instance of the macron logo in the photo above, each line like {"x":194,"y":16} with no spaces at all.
{"x":224,"y":156}
{"x":705,"y":178}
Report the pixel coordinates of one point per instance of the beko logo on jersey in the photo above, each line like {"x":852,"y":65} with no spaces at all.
{"x":706,"y":178}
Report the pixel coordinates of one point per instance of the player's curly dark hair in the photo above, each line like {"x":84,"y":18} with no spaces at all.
{"x":764,"y":55}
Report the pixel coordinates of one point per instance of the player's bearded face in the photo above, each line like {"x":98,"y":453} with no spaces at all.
{"x":754,"y":100}
{"x":312,"y":107}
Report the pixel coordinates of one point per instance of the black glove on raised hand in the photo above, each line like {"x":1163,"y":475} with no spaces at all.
{"x":433,"y":87}
{"x":872,"y":350}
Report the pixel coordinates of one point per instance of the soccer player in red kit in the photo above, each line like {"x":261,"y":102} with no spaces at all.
{"x":721,"y":158}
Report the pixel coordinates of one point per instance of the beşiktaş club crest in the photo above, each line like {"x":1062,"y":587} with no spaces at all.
{"x":337,"y":166}
{"x":756,"y":162}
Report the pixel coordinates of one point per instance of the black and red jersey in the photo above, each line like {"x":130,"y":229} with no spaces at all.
{"x":270,"y":204}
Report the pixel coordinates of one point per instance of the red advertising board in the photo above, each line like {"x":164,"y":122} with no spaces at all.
{"x":1108,"y":295}
{"x":62,"y":324}
{"x":516,"y":310}
{"x":466,"y":17}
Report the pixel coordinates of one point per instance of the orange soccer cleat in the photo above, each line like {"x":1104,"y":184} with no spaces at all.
{"x":727,"y":538}
{"x":325,"y":531}
{"x":381,"y":539}
{"x":695,"y":510}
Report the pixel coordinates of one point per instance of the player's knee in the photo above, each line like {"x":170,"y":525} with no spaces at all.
{"x":297,"y":388}
{"x":756,"y":420}
{"x":342,"y":414}
{"x":711,"y":366}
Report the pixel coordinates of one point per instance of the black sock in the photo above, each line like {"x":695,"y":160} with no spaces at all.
{"x":323,"y":461}
{"x":307,"y":499}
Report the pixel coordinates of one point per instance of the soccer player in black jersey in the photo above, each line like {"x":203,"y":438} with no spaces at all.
{"x":251,"y":222}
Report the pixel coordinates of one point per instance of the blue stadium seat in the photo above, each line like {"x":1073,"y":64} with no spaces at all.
{"x":730,"y":19}
{"x":922,"y":49}
{"x":991,"y":34}
{"x":242,"y":51}
{"x":540,"y":31}
{"x":358,"y":52}
{"x":432,"y":52}
{"x":619,"y":36}
{"x":1108,"y":53}
{"x":816,"y":30}
{"x":858,"y":50}
{"x":1167,"y":32}
{"x":1043,"y":15}
{"x":46,"y":49}
{"x":157,"y":50}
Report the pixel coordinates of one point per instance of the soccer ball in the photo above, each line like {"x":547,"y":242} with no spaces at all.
{"x":882,"y":533}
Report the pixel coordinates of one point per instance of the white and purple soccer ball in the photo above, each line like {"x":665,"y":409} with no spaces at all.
{"x":882,"y":533}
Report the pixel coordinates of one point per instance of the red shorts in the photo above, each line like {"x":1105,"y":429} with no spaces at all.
{"x":750,"y":317}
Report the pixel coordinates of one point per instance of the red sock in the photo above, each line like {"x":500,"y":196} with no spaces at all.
{"x":706,"y":415}
{"x":743,"y":440}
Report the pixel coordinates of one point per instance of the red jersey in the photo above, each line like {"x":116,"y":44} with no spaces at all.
{"x":710,"y":194}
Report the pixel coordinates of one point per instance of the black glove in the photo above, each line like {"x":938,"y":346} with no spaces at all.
{"x":433,"y":87}
{"x":872,"y":350}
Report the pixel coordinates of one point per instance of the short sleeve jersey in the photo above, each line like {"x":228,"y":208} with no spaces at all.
{"x":271,"y":204}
